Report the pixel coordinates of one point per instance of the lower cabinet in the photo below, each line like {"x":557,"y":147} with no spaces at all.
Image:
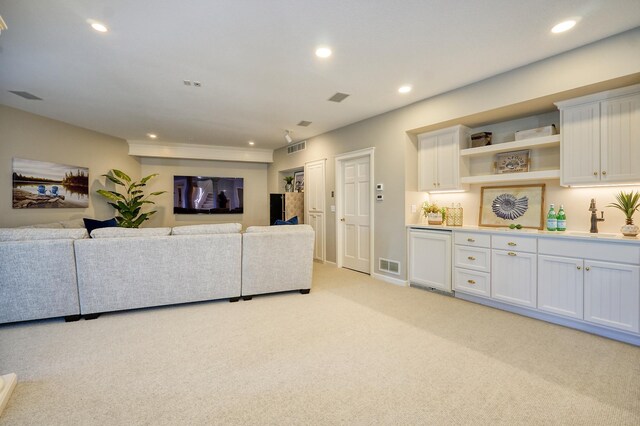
{"x":612,"y":295}
{"x":513,"y":277}
{"x":560,"y":285}
{"x":430,"y":259}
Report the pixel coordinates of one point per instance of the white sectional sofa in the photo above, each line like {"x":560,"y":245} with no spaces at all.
{"x":38,"y":274}
{"x":277,"y":258}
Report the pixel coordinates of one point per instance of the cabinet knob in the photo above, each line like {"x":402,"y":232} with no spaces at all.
{"x":511,"y":253}
{"x":471,"y":281}
{"x":579,"y":267}
{"x":595,"y":173}
{"x":471,"y":258}
{"x":604,"y":173}
{"x":434,"y":184}
{"x":587,"y":268}
{"x":342,"y":220}
{"x":511,"y":243}
{"x":471,"y":240}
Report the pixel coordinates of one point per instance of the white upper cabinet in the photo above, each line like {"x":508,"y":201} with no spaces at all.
{"x":439,"y":159}
{"x":600,"y":135}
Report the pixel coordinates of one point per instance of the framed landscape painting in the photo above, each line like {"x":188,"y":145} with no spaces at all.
{"x":40,"y":184}
{"x":517,"y":204}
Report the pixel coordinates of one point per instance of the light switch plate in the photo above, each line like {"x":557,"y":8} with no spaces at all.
{"x":379,"y":187}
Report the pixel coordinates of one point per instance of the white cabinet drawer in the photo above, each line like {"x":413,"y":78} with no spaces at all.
{"x":596,"y":250}
{"x":514,"y":243}
{"x":472,"y":239}
{"x":476,"y":258}
{"x":472,"y":282}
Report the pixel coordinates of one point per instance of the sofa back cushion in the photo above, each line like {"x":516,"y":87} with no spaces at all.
{"x":210,"y":228}
{"x":294,"y":228}
{"x":130,"y":232}
{"x":28,"y":234}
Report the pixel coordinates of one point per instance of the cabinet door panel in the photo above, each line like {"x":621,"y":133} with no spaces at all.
{"x":427,"y":158}
{"x":612,"y":295}
{"x":580,"y":147}
{"x":620,"y":150}
{"x":513,"y":277}
{"x":448,"y":161}
{"x":560,"y":286}
{"x":430,"y":259}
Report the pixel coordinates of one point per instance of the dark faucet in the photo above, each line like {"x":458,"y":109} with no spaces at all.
{"x":594,"y":216}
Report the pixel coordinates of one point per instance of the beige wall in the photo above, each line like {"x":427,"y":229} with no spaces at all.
{"x":507,"y":96}
{"x":29,"y":136}
{"x":256,"y":203}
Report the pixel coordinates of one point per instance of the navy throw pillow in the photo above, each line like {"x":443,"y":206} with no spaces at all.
{"x":292,"y":221}
{"x":92,"y":224}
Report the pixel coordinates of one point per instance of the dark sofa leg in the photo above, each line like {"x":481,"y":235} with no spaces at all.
{"x":247,"y":297}
{"x":72,"y":318}
{"x":233,"y":299}
{"x":91,"y":316}
{"x":305,"y":290}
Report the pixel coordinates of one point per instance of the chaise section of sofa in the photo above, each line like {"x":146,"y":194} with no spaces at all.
{"x":38,"y":274}
{"x":123,"y":269}
{"x":277,"y":258}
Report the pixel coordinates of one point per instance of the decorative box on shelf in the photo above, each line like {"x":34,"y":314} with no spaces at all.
{"x":537,"y":132}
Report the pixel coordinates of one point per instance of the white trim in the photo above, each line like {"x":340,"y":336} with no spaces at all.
{"x":390,"y":280}
{"x":323,"y":162}
{"x":199,"y":152}
{"x":600,"y":96}
{"x":327,"y":262}
{"x":370,"y":152}
{"x":7,"y":384}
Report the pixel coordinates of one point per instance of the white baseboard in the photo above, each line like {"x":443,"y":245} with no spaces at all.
{"x":10,"y":381}
{"x":390,"y":280}
{"x":330,"y":263}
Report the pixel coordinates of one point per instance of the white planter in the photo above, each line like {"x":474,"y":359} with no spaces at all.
{"x":434,"y":218}
{"x":630,"y":230}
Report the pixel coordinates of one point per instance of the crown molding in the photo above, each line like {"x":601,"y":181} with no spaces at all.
{"x":141,"y":148}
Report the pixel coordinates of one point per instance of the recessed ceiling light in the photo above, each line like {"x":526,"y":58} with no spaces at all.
{"x":323,"y":52}
{"x":99,"y":27}
{"x":152,"y":135}
{"x":563,"y":26}
{"x":252,"y":143}
{"x":404,"y":89}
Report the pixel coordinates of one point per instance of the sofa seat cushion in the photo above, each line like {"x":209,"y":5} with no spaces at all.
{"x":209,"y":228}
{"x":130,"y":232}
{"x":28,"y":234}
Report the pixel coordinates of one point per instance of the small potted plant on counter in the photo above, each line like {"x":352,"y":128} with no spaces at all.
{"x":433,"y":213}
{"x":628,"y":203}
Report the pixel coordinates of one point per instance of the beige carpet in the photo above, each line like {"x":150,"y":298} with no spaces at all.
{"x":353,"y":351}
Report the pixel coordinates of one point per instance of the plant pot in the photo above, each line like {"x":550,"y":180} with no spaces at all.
{"x":288,"y":187}
{"x":434,"y":218}
{"x":630,"y":230}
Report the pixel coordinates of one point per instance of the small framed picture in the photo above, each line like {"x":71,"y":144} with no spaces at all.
{"x":518,"y":204}
{"x":298,"y":181}
{"x":513,"y":161}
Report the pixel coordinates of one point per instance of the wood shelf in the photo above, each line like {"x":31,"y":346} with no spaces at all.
{"x":512,"y":177}
{"x":540,"y":142}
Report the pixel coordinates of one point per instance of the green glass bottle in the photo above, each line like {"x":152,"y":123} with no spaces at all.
{"x":552,"y":219}
{"x":561,"y":220}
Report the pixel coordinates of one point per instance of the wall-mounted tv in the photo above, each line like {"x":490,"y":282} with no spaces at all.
{"x":208,"y":195}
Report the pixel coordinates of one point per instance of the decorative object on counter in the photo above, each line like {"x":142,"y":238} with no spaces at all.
{"x":561,"y":220}
{"x":481,"y":139}
{"x":433,"y":213}
{"x":552,"y":219}
{"x":288,"y":187}
{"x":537,"y":132}
{"x":129,"y":204}
{"x":515,"y":226}
{"x":454,"y":215}
{"x":628,"y":203}
{"x":594,"y":217}
{"x":505,"y":205}
{"x":513,"y":161}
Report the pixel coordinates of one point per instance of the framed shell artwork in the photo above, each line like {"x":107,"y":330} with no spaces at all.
{"x":501,"y":206}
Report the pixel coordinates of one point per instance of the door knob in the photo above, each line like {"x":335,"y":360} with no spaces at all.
{"x":342,"y":220}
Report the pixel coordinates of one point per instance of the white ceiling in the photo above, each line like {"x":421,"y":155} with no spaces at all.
{"x":256,"y":62}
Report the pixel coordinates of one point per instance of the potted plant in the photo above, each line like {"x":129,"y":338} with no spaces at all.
{"x":288,"y":187}
{"x":129,"y":204}
{"x":433,"y":213}
{"x":628,"y":203}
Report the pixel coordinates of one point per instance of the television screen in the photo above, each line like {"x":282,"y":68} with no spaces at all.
{"x":209,"y":195}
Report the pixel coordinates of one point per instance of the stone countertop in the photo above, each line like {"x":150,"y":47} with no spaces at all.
{"x":533,"y":232}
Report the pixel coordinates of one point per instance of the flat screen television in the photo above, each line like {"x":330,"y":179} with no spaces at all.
{"x":207,"y":195}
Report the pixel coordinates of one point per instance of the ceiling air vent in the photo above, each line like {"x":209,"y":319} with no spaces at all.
{"x":304,"y":123}
{"x":389,"y":266}
{"x":338,"y":97}
{"x":300,"y":146}
{"x":25,"y":95}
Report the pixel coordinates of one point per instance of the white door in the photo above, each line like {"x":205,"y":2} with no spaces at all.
{"x":356,"y":213}
{"x":448,"y":161}
{"x":560,"y":285}
{"x":430,"y":259}
{"x":314,"y":195}
{"x":513,"y":277}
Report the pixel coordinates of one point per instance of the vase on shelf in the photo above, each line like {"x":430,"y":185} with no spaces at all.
{"x":288,"y":187}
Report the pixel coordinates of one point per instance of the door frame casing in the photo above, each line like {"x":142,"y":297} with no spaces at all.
{"x":367,"y":152}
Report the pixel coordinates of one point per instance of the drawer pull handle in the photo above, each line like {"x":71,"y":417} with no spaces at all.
{"x":579,"y":267}
{"x":604,"y":173}
{"x":587,"y":268}
{"x":511,"y":253}
{"x":595,"y":173}
{"x":511,"y":243}
{"x":471,"y":281}
{"x":471,"y":240}
{"x":471,"y":258}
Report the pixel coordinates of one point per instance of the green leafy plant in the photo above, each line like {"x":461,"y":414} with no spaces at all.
{"x":628,"y":203}
{"x":129,"y":205}
{"x":288,"y":180}
{"x":430,"y":208}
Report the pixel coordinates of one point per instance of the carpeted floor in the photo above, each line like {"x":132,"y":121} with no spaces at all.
{"x":353,"y":351}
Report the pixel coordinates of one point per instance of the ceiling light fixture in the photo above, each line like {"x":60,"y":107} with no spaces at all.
{"x":323,"y":52}
{"x":287,"y":136}
{"x":252,"y":143}
{"x":98,"y":26}
{"x":152,"y":135}
{"x":404,"y":89}
{"x":563,"y":26}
